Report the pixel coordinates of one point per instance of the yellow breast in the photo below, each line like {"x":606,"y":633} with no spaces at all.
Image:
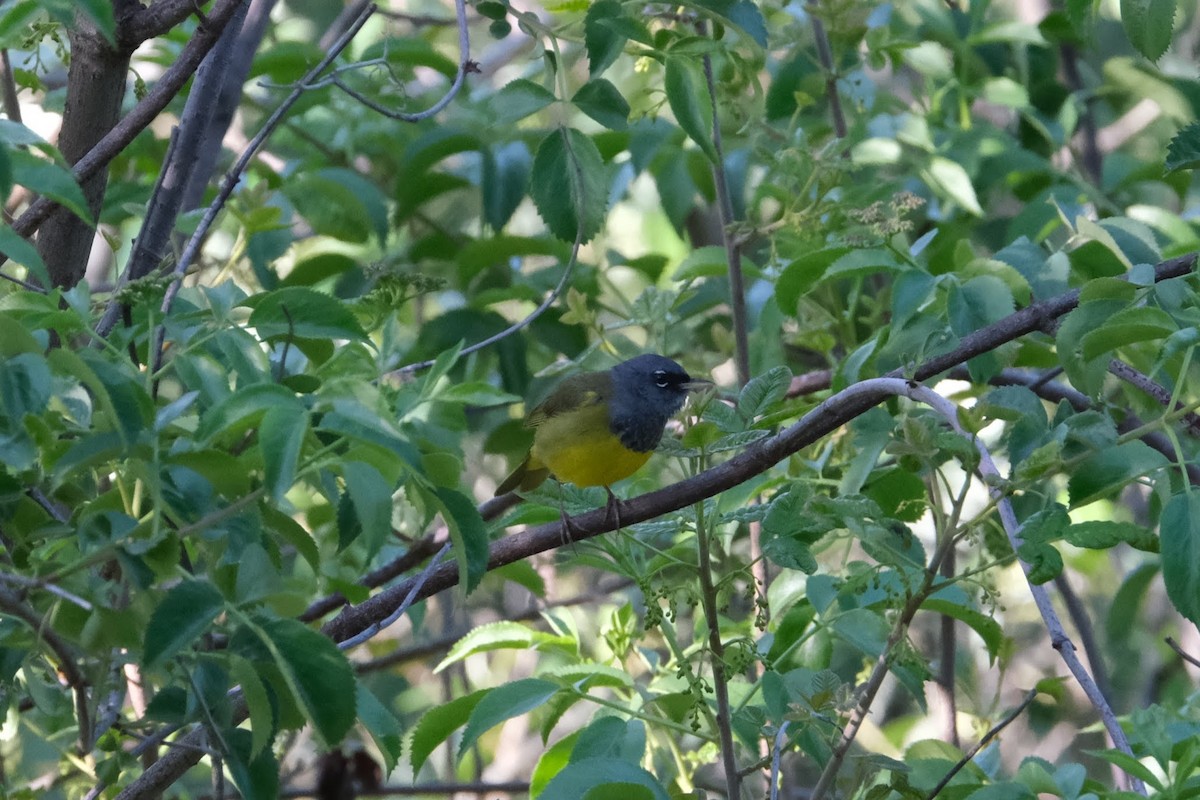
{"x":578,"y":448}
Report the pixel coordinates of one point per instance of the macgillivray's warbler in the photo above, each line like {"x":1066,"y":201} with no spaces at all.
{"x":597,"y":428}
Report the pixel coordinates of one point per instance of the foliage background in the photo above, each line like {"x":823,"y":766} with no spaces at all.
{"x":242,"y":386}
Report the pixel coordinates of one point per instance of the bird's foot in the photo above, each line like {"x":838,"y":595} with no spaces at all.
{"x":612,"y":509}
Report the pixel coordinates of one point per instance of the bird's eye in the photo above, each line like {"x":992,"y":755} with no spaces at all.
{"x":660,"y":379}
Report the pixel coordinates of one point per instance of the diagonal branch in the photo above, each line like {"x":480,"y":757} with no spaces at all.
{"x":759,"y":457}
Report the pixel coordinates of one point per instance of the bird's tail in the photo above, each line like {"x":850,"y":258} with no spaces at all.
{"x":528,"y":475}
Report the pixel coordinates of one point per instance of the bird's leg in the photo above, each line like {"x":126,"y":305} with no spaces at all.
{"x":612,"y":510}
{"x":567,"y":530}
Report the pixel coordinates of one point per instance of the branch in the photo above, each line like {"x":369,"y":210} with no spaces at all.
{"x":192,"y":249}
{"x":145,"y":112}
{"x":755,"y":459}
{"x":11,"y":604}
{"x":982,"y":743}
{"x":1144,"y":382}
{"x":156,"y":19}
{"x":166,"y":201}
{"x":733,"y":248}
{"x":825,"y":56}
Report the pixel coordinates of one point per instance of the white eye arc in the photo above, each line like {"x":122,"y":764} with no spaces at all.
{"x":660,"y":379}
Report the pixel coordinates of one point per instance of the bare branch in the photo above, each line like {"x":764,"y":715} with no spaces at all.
{"x":982,"y":743}
{"x":142,"y":114}
{"x":156,"y":19}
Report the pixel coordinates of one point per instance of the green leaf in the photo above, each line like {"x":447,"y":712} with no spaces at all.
{"x":438,"y":723}
{"x":100,"y":12}
{"x":603,"y":102}
{"x":24,"y":385}
{"x":862,"y":628}
{"x":254,"y":692}
{"x":185,"y":613}
{"x":1112,"y":469}
{"x":519,"y":99}
{"x":372,"y":499}
{"x":316,"y":672}
{"x":596,"y":778}
{"x":244,"y":409}
{"x":381,"y":723}
{"x":297,"y":311}
{"x":988,"y":629}
{"x":469,"y":535}
{"x":339,"y":203}
{"x":762,"y":393}
{"x":602,"y":42}
{"x":257,"y":777}
{"x":1183,"y":152}
{"x":52,"y":180}
{"x":502,"y":636}
{"x":802,"y":274}
{"x":1104,"y":534}
{"x":24,"y":253}
{"x":502,"y":704}
{"x":281,"y":438}
{"x":949,"y":179}
{"x":1179,"y":530}
{"x":690,"y":102}
{"x":1149,"y":25}
{"x":568,"y":185}
{"x":1127,"y":327}
{"x":506,"y":170}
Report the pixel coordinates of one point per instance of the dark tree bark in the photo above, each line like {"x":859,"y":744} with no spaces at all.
{"x":95,"y":89}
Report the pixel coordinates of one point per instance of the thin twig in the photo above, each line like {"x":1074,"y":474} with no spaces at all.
{"x":776,"y":753}
{"x":417,"y":583}
{"x":166,"y":200}
{"x":192,"y":248}
{"x":982,"y":743}
{"x":516,"y":326}
{"x":54,"y":589}
{"x":825,"y":56}
{"x":1041,"y":597}
{"x":716,"y":648}
{"x":1174,"y":645}
{"x":12,"y":605}
{"x":733,"y":250}
{"x":1159,"y":392}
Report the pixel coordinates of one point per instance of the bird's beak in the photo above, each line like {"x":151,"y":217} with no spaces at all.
{"x":698,"y":385}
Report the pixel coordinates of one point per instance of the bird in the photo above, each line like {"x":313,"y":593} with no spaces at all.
{"x":597,"y":428}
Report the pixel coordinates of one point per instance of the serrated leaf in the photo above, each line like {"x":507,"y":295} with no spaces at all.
{"x":603,"y":102}
{"x":1127,"y":327}
{"x":185,"y":613}
{"x":501,"y":636}
{"x":1179,"y":531}
{"x":256,"y":777}
{"x":1149,"y":25}
{"x":603,"y":779}
{"x":519,"y":99}
{"x":687,"y":94}
{"x":303,"y":312}
{"x":1183,"y":152}
{"x":52,"y":180}
{"x":988,"y":629}
{"x":590,"y":673}
{"x":24,"y":253}
{"x":1103,"y":534}
{"x":568,"y":185}
{"x":502,"y":704}
{"x":602,"y":42}
{"x":1110,"y":469}
{"x":438,"y":723}
{"x":469,"y":535}
{"x":951,"y":180}
{"x":763,"y":392}
{"x":382,"y":725}
{"x":372,"y":499}
{"x":254,"y":692}
{"x":280,"y":439}
{"x":317,"y":673}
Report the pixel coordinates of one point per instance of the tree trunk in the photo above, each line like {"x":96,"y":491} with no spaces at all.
{"x":95,"y":89}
